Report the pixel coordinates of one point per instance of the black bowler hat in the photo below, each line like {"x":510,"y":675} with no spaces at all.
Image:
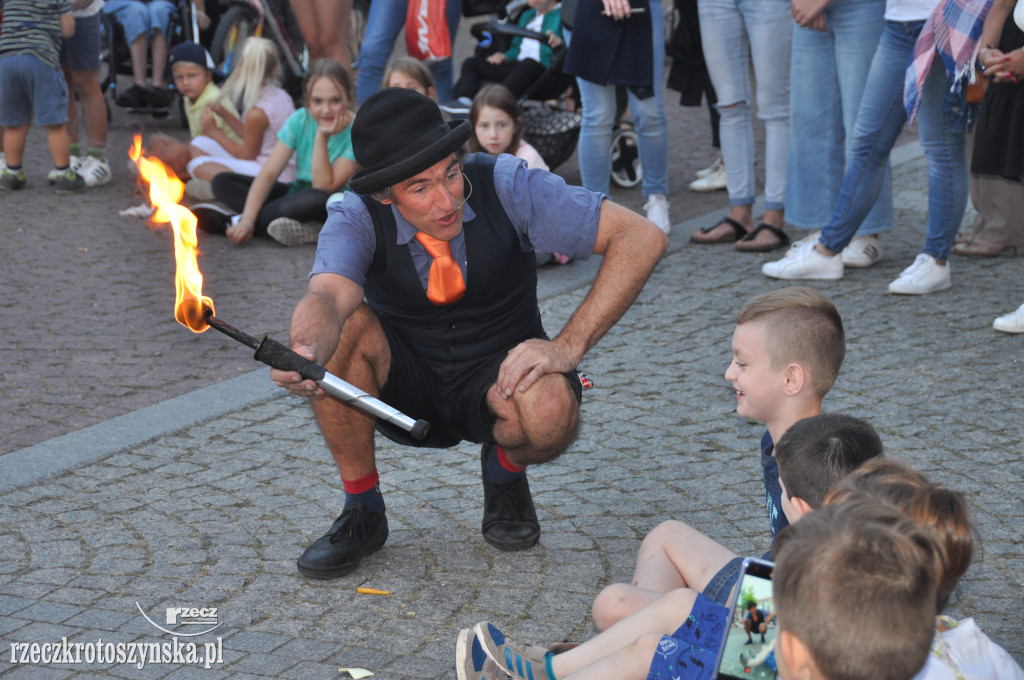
{"x":397,"y":134}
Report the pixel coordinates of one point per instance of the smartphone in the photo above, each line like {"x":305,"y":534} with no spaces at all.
{"x":743,"y":655}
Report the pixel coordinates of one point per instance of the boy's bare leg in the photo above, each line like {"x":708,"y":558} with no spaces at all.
{"x":673,"y":555}
{"x":94,"y":111}
{"x":661,"y":617}
{"x":72,"y":124}
{"x":57,"y":140}
{"x":629,"y":663}
{"x":14,"y":143}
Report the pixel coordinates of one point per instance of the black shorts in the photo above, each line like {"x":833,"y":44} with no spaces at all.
{"x":451,"y":396}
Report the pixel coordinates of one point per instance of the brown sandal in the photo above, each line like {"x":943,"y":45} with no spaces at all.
{"x":739,"y":232}
{"x":746,"y":244}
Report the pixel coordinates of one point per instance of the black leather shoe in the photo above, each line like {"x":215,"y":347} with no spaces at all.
{"x":510,"y":522}
{"x":356,"y":533}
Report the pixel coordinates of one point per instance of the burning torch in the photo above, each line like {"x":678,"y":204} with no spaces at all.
{"x":196,"y":312}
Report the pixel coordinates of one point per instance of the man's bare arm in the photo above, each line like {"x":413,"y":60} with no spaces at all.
{"x":632,"y":247}
{"x":316,"y":326}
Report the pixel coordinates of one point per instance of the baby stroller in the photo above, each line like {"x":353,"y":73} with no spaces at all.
{"x":553,"y":128}
{"x":116,"y":58}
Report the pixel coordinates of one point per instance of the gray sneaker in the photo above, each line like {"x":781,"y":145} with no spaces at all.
{"x":69,"y":182}
{"x":11,"y":180}
{"x":289,"y":232}
{"x":518,"y":659}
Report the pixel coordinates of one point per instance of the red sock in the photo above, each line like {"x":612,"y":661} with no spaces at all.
{"x":364,"y":490}
{"x":506,"y":463}
{"x":354,"y":487}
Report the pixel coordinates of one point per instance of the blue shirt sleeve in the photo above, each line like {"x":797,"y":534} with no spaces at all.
{"x":347,"y":241}
{"x":772,"y":488}
{"x":548,"y":214}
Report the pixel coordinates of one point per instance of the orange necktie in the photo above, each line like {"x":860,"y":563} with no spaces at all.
{"x":445,"y":284}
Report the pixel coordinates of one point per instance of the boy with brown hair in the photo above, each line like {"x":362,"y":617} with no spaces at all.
{"x":787,"y":349}
{"x":855,"y":588}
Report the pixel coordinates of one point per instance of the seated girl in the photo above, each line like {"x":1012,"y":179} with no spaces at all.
{"x":253,"y":88}
{"x":319,"y":135}
{"x":497,"y":129}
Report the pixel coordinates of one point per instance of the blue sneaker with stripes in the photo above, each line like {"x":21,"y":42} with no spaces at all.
{"x":471,"y":662}
{"x":518,"y":659}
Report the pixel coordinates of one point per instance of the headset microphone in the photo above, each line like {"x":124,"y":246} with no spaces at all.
{"x":459,"y":207}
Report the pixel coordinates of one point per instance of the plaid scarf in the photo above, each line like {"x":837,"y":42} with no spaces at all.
{"x":953,"y":28}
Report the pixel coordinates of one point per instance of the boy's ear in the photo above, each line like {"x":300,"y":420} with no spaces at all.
{"x":796,"y":658}
{"x":795,"y":379}
{"x":800,"y":505}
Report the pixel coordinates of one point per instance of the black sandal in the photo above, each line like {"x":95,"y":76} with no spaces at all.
{"x":762,"y":248}
{"x":739,"y":232}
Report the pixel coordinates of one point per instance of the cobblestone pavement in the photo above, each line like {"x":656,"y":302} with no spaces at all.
{"x":214,"y":510}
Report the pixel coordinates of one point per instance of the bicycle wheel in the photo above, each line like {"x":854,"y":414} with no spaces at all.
{"x":237,"y":24}
{"x":626,"y":169}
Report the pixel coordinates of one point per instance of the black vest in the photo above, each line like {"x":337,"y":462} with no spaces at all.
{"x":499,"y":308}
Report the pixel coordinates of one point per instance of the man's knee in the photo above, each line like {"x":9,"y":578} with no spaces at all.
{"x":540,"y":423}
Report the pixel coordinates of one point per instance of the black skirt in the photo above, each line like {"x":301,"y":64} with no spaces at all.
{"x":999,"y":134}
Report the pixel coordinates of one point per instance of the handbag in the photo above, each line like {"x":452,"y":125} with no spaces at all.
{"x":426,"y":30}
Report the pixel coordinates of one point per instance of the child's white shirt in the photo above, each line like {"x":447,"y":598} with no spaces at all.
{"x":964,"y":652}
{"x":530,"y":48}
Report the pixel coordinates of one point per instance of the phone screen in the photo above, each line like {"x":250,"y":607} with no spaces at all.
{"x":749,"y":649}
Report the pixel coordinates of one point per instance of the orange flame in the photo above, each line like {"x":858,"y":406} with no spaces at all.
{"x":165,"y":191}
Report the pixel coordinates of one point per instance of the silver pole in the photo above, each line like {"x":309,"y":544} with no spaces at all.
{"x":350,"y":394}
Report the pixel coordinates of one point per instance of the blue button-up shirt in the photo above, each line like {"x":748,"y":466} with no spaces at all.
{"x":548,"y":214}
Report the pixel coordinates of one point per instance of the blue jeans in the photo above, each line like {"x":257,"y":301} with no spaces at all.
{"x":733,"y":32}
{"x":942,"y":124}
{"x":383,"y":24}
{"x":595,"y":144}
{"x":141,"y":18}
{"x":827,"y":77}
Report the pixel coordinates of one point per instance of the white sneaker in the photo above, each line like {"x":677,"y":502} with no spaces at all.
{"x":3,"y":161}
{"x":863,"y":251}
{"x":811,"y":238}
{"x":717,"y":165}
{"x":923,"y":277}
{"x":76,"y":162}
{"x":289,"y":232}
{"x":805,"y":262}
{"x":713,"y":181}
{"x":1011,"y":323}
{"x":199,"y":190}
{"x":94,"y":171}
{"x":657,"y":212}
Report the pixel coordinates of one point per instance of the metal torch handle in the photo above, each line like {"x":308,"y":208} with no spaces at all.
{"x":274,"y":354}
